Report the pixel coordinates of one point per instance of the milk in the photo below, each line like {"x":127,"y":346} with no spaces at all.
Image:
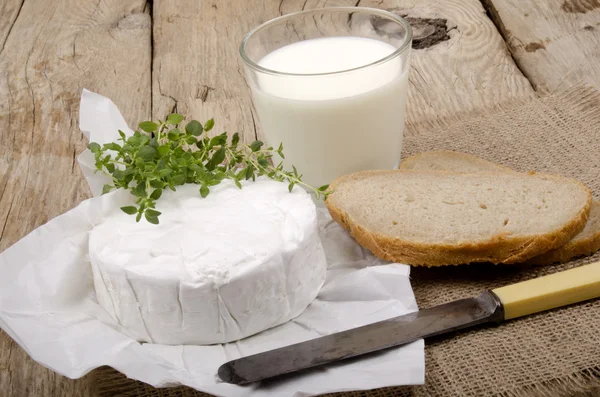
{"x":339,"y":123}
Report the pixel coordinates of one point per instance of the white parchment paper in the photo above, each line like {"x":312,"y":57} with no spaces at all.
{"x":48,"y":304}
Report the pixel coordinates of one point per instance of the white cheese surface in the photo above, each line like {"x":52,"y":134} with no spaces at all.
{"x":216,"y":269}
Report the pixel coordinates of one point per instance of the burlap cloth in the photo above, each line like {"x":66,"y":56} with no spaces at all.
{"x":551,"y":354}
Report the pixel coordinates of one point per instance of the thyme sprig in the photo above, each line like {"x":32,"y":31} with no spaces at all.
{"x":162,"y":156}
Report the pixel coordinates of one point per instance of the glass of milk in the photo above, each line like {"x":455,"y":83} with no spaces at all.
{"x":331,"y":85}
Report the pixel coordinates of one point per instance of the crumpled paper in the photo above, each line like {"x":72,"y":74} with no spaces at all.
{"x":48,"y":304}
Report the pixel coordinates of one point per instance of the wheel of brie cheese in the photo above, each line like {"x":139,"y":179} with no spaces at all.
{"x":216,"y":269}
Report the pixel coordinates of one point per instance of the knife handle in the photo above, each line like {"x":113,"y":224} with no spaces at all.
{"x":549,"y":292}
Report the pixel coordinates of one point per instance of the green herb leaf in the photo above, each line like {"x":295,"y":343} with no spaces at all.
{"x":255,"y":146}
{"x":156,"y":195}
{"x":204,"y":190}
{"x":107,"y":188}
{"x":191,"y":140}
{"x":241,"y":174}
{"x":209,"y":125}
{"x":112,"y":146}
{"x":152,"y":213}
{"x":174,"y":134}
{"x":195,"y":167}
{"x":157,"y":184}
{"x":174,"y":119}
{"x":161,"y":164}
{"x":140,"y":190}
{"x":163,"y":150}
{"x":94,"y":147}
{"x":215,"y":181}
{"x":194,"y":127}
{"x":148,"y":153}
{"x":249,"y":172}
{"x":178,"y":179}
{"x":178,"y":151}
{"x":165,"y":172}
{"x":133,"y":140}
{"x":235,"y":139}
{"x":129,"y":210}
{"x":218,"y":140}
{"x":151,"y":219}
{"x":148,"y":126}
{"x":219,"y":156}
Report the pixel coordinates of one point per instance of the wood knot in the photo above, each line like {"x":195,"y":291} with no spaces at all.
{"x":533,"y":47}
{"x":427,"y":32}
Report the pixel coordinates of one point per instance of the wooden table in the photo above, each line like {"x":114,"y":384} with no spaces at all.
{"x":181,"y":55}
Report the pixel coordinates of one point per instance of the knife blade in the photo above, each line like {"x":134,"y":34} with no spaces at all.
{"x":495,"y":306}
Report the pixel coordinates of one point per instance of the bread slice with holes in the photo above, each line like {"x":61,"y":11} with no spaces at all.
{"x":436,"y":218}
{"x":584,"y":243}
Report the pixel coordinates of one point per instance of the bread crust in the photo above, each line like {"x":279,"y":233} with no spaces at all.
{"x":572,"y":249}
{"x":501,"y":249}
{"x":568,"y":252}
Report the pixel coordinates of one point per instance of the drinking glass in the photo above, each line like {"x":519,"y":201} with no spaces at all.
{"x":331,"y":85}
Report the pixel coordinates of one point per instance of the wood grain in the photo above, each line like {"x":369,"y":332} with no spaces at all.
{"x":9,"y":10}
{"x":196,"y":68}
{"x":471,"y":69}
{"x":556,"y":43}
{"x":50,"y":51}
{"x":202,"y":74}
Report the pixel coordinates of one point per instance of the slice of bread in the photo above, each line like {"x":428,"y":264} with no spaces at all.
{"x":436,"y":218}
{"x":585,"y":243}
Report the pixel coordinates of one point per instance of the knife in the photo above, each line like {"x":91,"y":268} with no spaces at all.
{"x":493,"y":306}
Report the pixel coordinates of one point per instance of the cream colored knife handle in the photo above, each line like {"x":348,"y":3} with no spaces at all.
{"x":549,"y":292}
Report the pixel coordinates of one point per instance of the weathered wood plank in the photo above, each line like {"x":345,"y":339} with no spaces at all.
{"x":556,"y":43}
{"x":9,"y":10}
{"x":196,"y":70}
{"x":49,"y":51}
{"x":462,"y":64}
{"x":201,"y":74}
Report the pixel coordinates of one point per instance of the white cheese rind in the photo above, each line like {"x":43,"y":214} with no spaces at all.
{"x":215,"y":270}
